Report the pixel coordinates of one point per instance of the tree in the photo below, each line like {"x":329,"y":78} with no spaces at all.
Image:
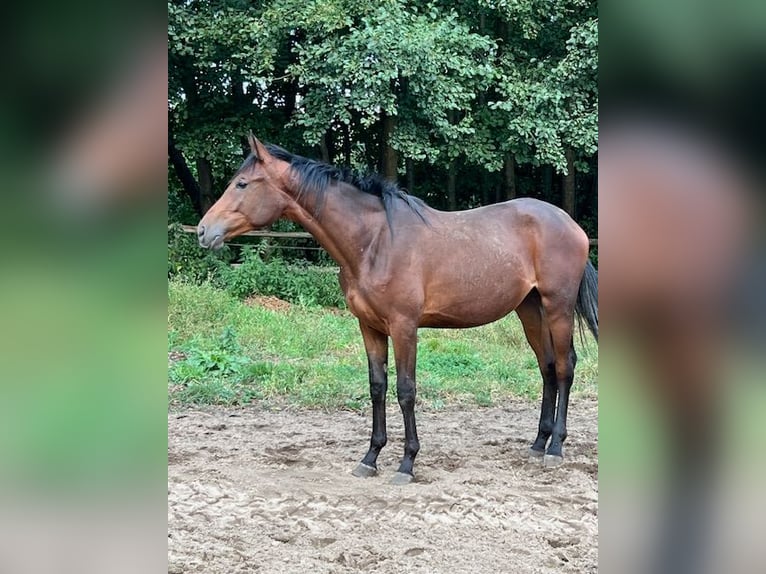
{"x":485,"y":93}
{"x":546,"y":95}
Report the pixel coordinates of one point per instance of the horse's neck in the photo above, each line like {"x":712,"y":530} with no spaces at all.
{"x":348,"y":222}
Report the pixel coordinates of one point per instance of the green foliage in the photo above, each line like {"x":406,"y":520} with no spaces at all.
{"x":222,"y":358}
{"x":297,"y":283}
{"x":470,"y":80}
{"x":214,"y":371}
{"x":547,"y":94}
{"x":359,"y":59}
{"x":218,"y":53}
{"x":180,"y":209}
{"x":188,"y":260}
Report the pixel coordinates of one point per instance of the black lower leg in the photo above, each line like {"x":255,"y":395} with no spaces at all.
{"x":378,"y":389}
{"x":547,"y":408}
{"x":559,"y":433}
{"x":405,"y":389}
{"x":564,"y":385}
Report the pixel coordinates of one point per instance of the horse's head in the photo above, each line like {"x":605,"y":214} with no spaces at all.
{"x":254,"y":198}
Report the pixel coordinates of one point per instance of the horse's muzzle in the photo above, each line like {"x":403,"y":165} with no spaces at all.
{"x":210,"y":237}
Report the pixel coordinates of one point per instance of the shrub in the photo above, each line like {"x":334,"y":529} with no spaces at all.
{"x":296,"y":282}
{"x":186,"y":259}
{"x":180,"y":207}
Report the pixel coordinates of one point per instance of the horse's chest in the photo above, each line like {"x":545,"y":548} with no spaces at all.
{"x":363,"y":306}
{"x":360,"y":304}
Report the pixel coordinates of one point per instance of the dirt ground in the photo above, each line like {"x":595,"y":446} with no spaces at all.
{"x":251,"y":490}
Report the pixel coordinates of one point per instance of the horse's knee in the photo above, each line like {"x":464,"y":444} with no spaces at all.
{"x":406,"y":400}
{"x":405,"y":393}
{"x":565,"y":370}
{"x":548,"y":371}
{"x":378,"y":389}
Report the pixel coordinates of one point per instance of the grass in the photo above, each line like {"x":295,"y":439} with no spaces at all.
{"x":228,"y":352}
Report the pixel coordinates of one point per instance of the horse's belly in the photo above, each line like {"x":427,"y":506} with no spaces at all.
{"x":479,"y":295}
{"x":460,"y":315}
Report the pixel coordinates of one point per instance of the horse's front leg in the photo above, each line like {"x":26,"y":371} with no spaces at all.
{"x":405,"y":339}
{"x":376,"y":345}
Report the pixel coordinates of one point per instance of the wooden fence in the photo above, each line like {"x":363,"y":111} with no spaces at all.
{"x":299,"y":235}
{"x":272,"y":235}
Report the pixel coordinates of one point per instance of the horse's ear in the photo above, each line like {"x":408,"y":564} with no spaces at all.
{"x":252,"y":141}
{"x":258,"y":149}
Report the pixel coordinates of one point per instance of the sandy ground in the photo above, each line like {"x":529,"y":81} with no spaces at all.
{"x":251,"y":490}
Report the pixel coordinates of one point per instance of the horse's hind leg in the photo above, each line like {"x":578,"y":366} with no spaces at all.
{"x":376,"y":345}
{"x":536,"y":330}
{"x":560,"y":320}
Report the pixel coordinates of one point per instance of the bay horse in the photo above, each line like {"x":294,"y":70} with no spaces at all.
{"x":404,"y":265}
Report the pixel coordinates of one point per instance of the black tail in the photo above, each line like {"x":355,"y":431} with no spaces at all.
{"x":586,"y":308}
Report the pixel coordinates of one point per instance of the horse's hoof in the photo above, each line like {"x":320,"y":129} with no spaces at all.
{"x":401,"y":478}
{"x":536,"y":455}
{"x":552,"y":460}
{"x":364,"y":471}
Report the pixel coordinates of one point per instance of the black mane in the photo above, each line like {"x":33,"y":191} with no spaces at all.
{"x":314,"y":177}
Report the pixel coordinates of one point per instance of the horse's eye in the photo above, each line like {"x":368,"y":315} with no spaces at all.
{"x":241,"y":184}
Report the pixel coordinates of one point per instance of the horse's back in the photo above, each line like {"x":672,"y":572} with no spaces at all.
{"x":525,"y":226}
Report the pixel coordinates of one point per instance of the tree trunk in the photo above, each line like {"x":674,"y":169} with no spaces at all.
{"x":390,"y":157}
{"x":451,"y":177}
{"x":347,"y":144}
{"x":184,"y":174}
{"x":290,"y":89}
{"x":509,"y":170}
{"x":594,"y":179}
{"x":323,"y":148}
{"x":206,"y":185}
{"x":410,"y":168}
{"x":452,"y":171}
{"x":568,"y":200}
{"x":548,"y":183}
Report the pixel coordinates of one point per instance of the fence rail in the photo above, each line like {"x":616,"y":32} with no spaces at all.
{"x":275,"y":234}
{"x":300,"y":235}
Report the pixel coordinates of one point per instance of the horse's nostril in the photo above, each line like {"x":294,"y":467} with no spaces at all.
{"x":201,"y":230}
